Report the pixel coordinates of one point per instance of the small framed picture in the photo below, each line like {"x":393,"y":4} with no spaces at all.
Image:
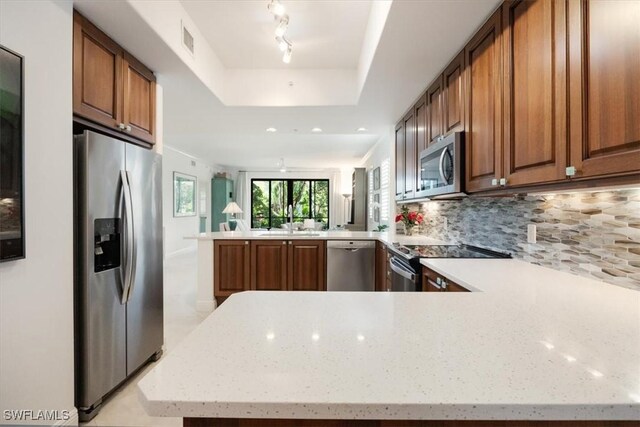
{"x":376,"y":207}
{"x":376,"y":178}
{"x":184,"y":195}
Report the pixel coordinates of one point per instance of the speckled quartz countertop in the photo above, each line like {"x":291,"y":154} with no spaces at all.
{"x":386,"y":238}
{"x":531,"y":343}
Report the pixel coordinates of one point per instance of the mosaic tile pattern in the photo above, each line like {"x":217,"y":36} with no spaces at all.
{"x":592,"y":234}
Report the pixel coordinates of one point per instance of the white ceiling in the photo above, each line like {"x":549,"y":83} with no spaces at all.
{"x":418,"y":40}
{"x":325,"y":34}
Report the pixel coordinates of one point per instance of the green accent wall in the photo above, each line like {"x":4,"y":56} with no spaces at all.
{"x":221,"y":195}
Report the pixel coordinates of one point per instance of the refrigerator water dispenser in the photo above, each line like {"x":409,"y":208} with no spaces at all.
{"x":107,"y":243}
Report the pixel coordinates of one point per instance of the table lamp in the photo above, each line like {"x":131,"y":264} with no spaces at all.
{"x":232,"y":208}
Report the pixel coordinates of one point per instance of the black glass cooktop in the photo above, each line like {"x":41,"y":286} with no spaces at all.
{"x":448,"y":251}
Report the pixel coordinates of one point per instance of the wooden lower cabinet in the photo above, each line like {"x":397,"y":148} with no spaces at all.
{"x":381,"y":268}
{"x":231,"y":264}
{"x":307,"y":265}
{"x":434,"y":282}
{"x":269,"y":265}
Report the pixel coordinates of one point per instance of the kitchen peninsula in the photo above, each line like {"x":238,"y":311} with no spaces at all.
{"x":530,"y":344}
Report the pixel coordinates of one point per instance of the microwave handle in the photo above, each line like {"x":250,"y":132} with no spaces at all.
{"x":441,"y":166}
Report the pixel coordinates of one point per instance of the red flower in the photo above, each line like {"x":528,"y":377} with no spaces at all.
{"x":412,"y":216}
{"x":419,"y":219}
{"x":398,"y":217}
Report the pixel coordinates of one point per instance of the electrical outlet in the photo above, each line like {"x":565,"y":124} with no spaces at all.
{"x":532,"y":230}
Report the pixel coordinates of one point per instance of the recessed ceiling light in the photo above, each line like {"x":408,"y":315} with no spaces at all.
{"x":271,"y":129}
{"x":316,"y":130}
{"x":362,"y":129}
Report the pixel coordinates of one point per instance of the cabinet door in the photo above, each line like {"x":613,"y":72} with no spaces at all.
{"x":400,"y":161}
{"x":269,"y":265}
{"x":453,"y":95}
{"x":97,"y":75}
{"x":535,"y":131}
{"x":454,"y":287}
{"x":604,"y":86}
{"x":381,"y":267}
{"x":429,"y":281}
{"x":483,"y":114}
{"x":422,"y":141}
{"x":139,"y":100}
{"x":307,"y":265}
{"x":231,"y":267}
{"x":410,"y":156}
{"x":434,"y":111}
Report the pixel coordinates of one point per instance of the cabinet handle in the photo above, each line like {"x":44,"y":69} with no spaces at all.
{"x":128,"y":128}
{"x":494,"y":181}
{"x":121,"y":126}
{"x":571,"y":171}
{"x":284,"y":243}
{"x":246,"y":242}
{"x":290,"y":242}
{"x":503,"y":181}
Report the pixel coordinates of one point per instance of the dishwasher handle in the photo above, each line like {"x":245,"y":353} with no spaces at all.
{"x":351,"y":245}
{"x":401,"y":270}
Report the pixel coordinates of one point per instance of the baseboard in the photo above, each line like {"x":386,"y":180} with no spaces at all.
{"x":204,"y":306}
{"x":72,"y":421}
{"x":182,"y":251}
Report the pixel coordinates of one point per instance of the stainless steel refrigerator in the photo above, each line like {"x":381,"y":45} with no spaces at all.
{"x":118,"y":264}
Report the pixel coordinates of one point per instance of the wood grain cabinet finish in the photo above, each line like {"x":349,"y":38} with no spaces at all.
{"x":111,"y":88}
{"x":232,"y":267}
{"x":534,"y":85}
{"x":400,"y":160}
{"x":483,"y":113}
{"x":269,"y":265}
{"x":410,"y":156}
{"x":97,"y":74}
{"x":604,"y":87}
{"x":434,"y":111}
{"x":422,"y":142}
{"x":434,"y":282}
{"x":381,"y":267}
{"x":453,"y":96}
{"x":307,"y":265}
{"x":139,"y":99}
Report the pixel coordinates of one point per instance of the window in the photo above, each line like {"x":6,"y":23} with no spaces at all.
{"x":271,"y":197}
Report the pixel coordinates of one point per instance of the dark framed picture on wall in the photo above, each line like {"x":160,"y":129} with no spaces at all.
{"x":376,"y":178}
{"x":12,"y":237}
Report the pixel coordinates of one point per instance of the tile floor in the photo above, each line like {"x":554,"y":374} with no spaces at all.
{"x":180,"y":318}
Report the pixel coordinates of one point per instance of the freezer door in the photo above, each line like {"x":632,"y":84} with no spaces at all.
{"x":145,"y":301}
{"x":100,"y":314}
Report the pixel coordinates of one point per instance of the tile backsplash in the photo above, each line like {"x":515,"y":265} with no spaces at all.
{"x":592,"y":234}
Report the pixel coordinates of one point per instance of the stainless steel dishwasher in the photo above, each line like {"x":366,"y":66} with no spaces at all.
{"x":351,"y":265}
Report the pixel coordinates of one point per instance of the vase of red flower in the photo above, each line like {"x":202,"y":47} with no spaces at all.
{"x":410,"y":219}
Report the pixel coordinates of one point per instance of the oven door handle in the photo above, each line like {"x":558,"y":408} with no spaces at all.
{"x":401,"y":270}
{"x":445,"y":181}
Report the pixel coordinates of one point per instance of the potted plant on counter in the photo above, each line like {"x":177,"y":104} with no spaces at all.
{"x":410,"y":219}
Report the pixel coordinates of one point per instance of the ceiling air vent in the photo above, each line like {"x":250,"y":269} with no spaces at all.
{"x":187,"y":39}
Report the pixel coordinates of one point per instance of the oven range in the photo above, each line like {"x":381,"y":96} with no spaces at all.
{"x":405,"y":261}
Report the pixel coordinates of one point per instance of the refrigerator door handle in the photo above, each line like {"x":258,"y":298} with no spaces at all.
{"x":129,"y":242}
{"x":134,"y":241}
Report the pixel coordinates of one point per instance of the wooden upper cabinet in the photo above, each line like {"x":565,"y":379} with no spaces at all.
{"x":97,"y":74}
{"x":307,"y":265}
{"x":483,"y":113}
{"x":410,"y":156}
{"x":232,"y":267}
{"x":421,"y":124}
{"x":111,"y":88}
{"x":604,"y":87}
{"x":434,"y":111}
{"x":139,"y":99}
{"x":400,"y":160}
{"x":453,"y":96}
{"x":534,"y":85}
{"x":269,"y":265}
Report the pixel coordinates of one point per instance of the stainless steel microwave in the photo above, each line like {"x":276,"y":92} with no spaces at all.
{"x":442,"y":168}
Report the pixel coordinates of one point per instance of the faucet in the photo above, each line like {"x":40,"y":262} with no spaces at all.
{"x":290,"y":214}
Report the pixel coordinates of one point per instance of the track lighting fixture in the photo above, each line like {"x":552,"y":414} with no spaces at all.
{"x":286,"y":58}
{"x":276,"y":8}
{"x":282,"y":26}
